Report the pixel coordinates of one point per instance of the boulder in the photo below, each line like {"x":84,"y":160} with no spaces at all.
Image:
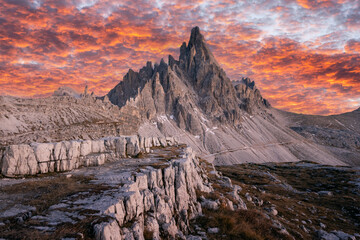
{"x":19,"y":160}
{"x":98,"y":146}
{"x":43,"y":151}
{"x":86,"y":148}
{"x":108,"y":231}
{"x":73,"y":149}
{"x":132,"y":146}
{"x":60,"y":151}
{"x":120,"y":147}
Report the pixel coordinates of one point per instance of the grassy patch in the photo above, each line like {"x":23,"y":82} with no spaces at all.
{"x":240,"y":224}
{"x":49,"y":191}
{"x":293,"y":190}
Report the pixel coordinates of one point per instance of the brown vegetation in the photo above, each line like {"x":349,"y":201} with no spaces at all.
{"x":295,"y":194}
{"x":239,"y":224}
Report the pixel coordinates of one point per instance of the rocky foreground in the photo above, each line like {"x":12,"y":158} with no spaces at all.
{"x":169,"y":193}
{"x":152,"y":197}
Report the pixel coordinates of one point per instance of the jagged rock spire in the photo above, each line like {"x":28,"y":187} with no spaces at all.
{"x":195,"y":52}
{"x":196,"y":81}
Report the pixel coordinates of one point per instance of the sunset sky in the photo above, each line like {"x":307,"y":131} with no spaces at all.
{"x":304,"y":55}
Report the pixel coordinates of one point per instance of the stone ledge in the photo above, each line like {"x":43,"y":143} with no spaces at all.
{"x":30,"y":159}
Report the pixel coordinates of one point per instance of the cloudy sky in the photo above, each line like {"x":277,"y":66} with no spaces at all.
{"x":304,"y":55}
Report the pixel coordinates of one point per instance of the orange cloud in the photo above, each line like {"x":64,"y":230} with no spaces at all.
{"x":76,"y":43}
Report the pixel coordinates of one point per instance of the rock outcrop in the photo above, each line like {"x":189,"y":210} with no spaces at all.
{"x":139,"y":198}
{"x":252,"y":101}
{"x":30,"y":159}
{"x":159,"y":203}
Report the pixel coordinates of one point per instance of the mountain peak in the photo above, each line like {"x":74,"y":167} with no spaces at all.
{"x":195,"y":38}
{"x":196,"y":54}
{"x":195,"y":81}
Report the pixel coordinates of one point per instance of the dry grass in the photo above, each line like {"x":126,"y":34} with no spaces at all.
{"x":164,"y":155}
{"x":42,"y":194}
{"x":337,"y":212}
{"x":148,"y":235}
{"x":239,"y":224}
{"x":49,"y":191}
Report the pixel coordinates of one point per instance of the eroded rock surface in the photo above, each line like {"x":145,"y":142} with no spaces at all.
{"x":34,"y":158}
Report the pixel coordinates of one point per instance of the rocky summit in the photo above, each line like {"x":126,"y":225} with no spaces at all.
{"x":187,"y":88}
{"x":176,"y":150}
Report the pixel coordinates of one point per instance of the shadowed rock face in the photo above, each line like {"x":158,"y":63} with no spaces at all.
{"x":194,"y":85}
{"x":250,"y":96}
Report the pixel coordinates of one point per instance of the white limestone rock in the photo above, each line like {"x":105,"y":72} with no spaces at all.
{"x":170,"y":141}
{"x":120,"y":147}
{"x":151,"y":225}
{"x":109,"y":144}
{"x":148,"y":142}
{"x":95,"y":160}
{"x":73,"y":149}
{"x":134,"y":205}
{"x":149,"y":201}
{"x":85,"y":148}
{"x":141,"y":181}
{"x":138,"y":231}
{"x":163,"y":141}
{"x":132,"y":145}
{"x":108,"y":231}
{"x":154,"y":196}
{"x":97,"y":146}
{"x":156,"y":142}
{"x":44,"y":167}
{"x":67,"y":155}
{"x":60,"y":151}
{"x":43,"y":151}
{"x":19,"y":160}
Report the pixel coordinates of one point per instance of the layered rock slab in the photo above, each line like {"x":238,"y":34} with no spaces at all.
{"x":34,"y":158}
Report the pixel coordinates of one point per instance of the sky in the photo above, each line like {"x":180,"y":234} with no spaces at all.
{"x":304,"y":55}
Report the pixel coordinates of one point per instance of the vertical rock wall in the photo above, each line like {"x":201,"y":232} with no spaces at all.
{"x":159,"y":202}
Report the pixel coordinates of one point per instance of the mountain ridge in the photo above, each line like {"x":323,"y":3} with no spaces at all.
{"x":192,"y":98}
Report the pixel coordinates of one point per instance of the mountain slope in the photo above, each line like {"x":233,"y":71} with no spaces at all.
{"x":193,"y":99}
{"x":340,"y":134}
{"x":59,"y":118}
